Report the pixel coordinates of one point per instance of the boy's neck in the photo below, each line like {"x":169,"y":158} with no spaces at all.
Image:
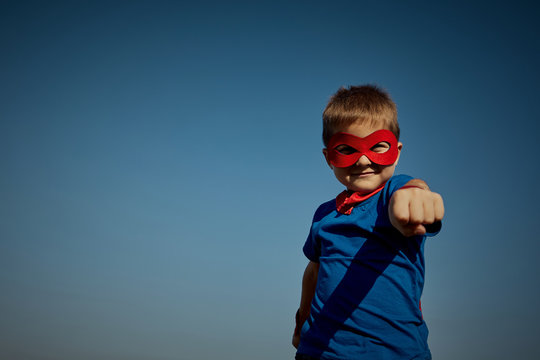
{"x":348,"y":199}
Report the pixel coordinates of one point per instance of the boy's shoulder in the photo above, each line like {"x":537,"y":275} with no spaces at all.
{"x":395,"y":183}
{"x":324,"y":209}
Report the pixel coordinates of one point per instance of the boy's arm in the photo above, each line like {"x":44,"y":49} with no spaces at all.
{"x":413,"y":207}
{"x":309,"y":282}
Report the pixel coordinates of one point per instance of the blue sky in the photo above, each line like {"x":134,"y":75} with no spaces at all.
{"x":160,"y":163}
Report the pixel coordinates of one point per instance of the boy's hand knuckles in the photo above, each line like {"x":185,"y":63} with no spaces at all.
{"x":402,"y":195}
{"x":439,"y":216}
{"x":416,"y":220}
{"x":417,"y":192}
{"x":416,"y":214}
{"x":439,"y":206}
{"x":437,"y":196}
{"x":418,"y":200}
{"x":398,"y":209}
{"x":439,"y":211}
{"x":432,"y":200}
{"x":429,"y":214}
{"x":429,"y":219}
{"x":402,"y":218}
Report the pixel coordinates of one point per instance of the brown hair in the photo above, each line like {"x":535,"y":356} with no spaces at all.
{"x":365,"y":104}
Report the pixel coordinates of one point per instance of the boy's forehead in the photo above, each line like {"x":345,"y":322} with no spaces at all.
{"x":361,"y":129}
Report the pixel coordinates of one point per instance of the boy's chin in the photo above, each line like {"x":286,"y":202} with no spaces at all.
{"x":364,"y":187}
{"x":367,"y":183}
{"x":362,"y":191}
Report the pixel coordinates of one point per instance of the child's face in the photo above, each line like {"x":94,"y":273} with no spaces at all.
{"x":364,"y":176}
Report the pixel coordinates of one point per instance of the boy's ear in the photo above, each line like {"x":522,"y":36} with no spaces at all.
{"x":399,"y":147}
{"x":325,"y":153}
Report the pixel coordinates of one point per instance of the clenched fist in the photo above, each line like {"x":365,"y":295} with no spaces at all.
{"x":413,"y":208}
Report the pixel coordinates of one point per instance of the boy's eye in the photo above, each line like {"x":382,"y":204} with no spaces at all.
{"x":345,"y":149}
{"x":381,"y":147}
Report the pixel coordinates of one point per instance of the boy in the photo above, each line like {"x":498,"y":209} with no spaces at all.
{"x":361,"y":289}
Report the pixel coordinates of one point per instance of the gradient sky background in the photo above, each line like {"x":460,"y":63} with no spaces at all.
{"x":160,"y":163}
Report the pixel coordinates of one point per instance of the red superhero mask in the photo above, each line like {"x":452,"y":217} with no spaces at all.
{"x":355,"y":147}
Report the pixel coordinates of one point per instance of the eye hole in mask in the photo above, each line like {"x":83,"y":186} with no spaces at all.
{"x":345,"y":149}
{"x":379,"y":148}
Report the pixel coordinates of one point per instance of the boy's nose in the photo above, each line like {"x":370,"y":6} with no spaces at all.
{"x":363,"y":161}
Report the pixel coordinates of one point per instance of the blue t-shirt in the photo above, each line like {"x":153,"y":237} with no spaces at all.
{"x":367,"y":300}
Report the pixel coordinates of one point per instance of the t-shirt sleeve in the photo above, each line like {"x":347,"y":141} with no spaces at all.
{"x":312,"y":246}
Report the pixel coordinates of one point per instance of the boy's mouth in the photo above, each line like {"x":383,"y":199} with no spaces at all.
{"x":364,"y":173}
